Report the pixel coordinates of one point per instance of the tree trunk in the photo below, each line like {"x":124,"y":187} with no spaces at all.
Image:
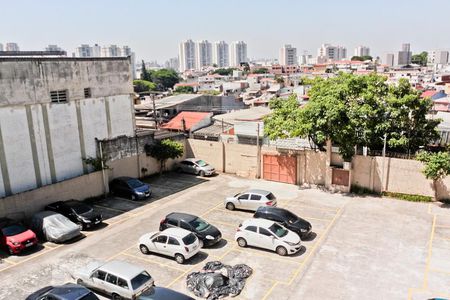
{"x":435,"y":190}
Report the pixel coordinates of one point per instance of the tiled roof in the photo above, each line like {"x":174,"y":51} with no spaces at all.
{"x":190,"y":119}
{"x":429,"y":93}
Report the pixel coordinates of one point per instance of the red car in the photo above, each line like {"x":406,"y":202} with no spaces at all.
{"x":15,"y":237}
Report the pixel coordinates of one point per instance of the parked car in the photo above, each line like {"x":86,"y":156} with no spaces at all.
{"x":131,"y":188}
{"x":285,"y":218}
{"x":195,"y":166}
{"x":15,"y":237}
{"x":251,"y":200}
{"x":268,"y":235}
{"x":160,"y":293}
{"x":78,"y":212}
{"x":174,"y":242}
{"x":54,"y":227}
{"x":119,"y":279}
{"x":206,"y":233}
{"x":68,"y":291}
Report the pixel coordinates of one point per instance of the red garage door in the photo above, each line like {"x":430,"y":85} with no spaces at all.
{"x":280,"y":168}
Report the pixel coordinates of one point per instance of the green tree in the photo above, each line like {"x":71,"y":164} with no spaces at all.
{"x":162,"y":150}
{"x":224,"y":71}
{"x":437,"y":166}
{"x":260,"y":71}
{"x":362,"y":58}
{"x":145,"y":75}
{"x":184,"y":90}
{"x":420,"y":59}
{"x":143,"y":86}
{"x":165,"y":78}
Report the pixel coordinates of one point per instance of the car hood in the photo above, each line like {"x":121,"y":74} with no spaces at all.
{"x":86,"y":272}
{"x":21,"y":237}
{"x":142,"y":189}
{"x":207,"y":168}
{"x":291,"y":237}
{"x":211,"y":230}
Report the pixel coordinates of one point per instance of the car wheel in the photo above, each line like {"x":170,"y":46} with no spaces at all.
{"x":133,"y":197}
{"x":144,"y":249}
{"x":179,"y":258}
{"x":114,"y":296}
{"x":242,"y":242}
{"x":281,"y":251}
{"x":230,"y":206}
{"x":10,"y":251}
{"x":202,"y":173}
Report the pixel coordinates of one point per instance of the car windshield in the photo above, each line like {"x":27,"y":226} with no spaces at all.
{"x":134,"y":183}
{"x":90,"y":296}
{"x":278,"y":230}
{"x":201,"y":163}
{"x":198,"y":224}
{"x":81,"y":208}
{"x":140,"y":280}
{"x":12,"y":230}
{"x":189,"y":239}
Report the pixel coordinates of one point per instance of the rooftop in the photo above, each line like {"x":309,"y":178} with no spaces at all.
{"x":167,"y":102}
{"x":242,"y":115}
{"x":189,"y":119}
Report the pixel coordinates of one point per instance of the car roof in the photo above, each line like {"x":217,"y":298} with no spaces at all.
{"x":258,"y":222}
{"x":260,"y":192}
{"x":181,"y":216}
{"x":69,"y":291}
{"x":272,"y":209}
{"x":122,"y":269}
{"x":176,"y":232}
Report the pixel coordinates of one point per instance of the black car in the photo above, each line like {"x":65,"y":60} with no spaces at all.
{"x":130,"y":187}
{"x":206,"y":233}
{"x":78,"y":212}
{"x":160,"y":293}
{"x":285,"y":218}
{"x":68,"y":291}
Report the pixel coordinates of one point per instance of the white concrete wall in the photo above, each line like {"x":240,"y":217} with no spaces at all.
{"x":121,"y":114}
{"x":93,"y":113}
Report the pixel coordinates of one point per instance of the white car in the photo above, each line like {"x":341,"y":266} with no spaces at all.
{"x":174,"y":242}
{"x":268,"y":235}
{"x":119,"y":279}
{"x":251,"y":200}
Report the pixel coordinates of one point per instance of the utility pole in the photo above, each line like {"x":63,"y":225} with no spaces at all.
{"x":258,"y":155}
{"x":154,"y":110}
{"x":384,"y":159}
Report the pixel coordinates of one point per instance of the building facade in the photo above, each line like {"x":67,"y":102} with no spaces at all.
{"x":52,"y":110}
{"x":238,"y":53}
{"x":221,"y":55}
{"x":390,"y":60}
{"x":203,"y":54}
{"x":186,"y":55}
{"x":362,"y":51}
{"x":53,"y":48}
{"x":12,"y":47}
{"x":288,"y":56}
{"x":1,"y":47}
{"x":405,"y":55}
{"x":438,"y":57}
{"x":331,"y":53}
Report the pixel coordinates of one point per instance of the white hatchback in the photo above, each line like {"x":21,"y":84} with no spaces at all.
{"x":251,"y":200}
{"x":268,"y":235}
{"x":175,"y":242}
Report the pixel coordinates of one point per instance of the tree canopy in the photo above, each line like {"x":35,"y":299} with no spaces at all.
{"x":362,"y":58}
{"x":437,"y":166}
{"x":420,"y":59}
{"x":184,"y":90}
{"x":353,"y":110}
{"x":224,"y":71}
{"x":162,"y":78}
{"x":260,"y":71}
{"x":143,"y":86}
{"x":162,"y":150}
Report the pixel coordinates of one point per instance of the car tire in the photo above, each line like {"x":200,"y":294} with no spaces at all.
{"x":179,"y":258}
{"x":230,"y":206}
{"x":115,"y":296}
{"x":202,"y":173}
{"x":242,"y":242}
{"x":281,"y":251}
{"x":144,"y":249}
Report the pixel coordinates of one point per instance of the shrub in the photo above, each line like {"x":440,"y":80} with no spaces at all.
{"x":408,"y":197}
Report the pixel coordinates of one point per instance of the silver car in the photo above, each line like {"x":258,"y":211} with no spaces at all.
{"x":251,"y":200}
{"x":195,"y":166}
{"x":119,"y":279}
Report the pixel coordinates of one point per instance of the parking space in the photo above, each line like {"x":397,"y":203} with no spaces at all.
{"x":394,"y":248}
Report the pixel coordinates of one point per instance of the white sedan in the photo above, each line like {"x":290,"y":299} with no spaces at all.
{"x":268,"y":235}
{"x":174,"y":242}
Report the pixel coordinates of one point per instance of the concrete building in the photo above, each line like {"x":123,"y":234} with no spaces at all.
{"x":84,"y":51}
{"x":12,"y":47}
{"x":390,"y":60}
{"x":186,"y":55}
{"x":111,"y":51}
{"x":1,"y":47}
{"x":221,"y":54}
{"x":288,"y":56}
{"x":173,"y":63}
{"x":332,"y":53}
{"x":52,"y":110}
{"x":362,"y":51}
{"x":438,"y":57}
{"x":53,"y":48}
{"x":405,"y":55}
{"x":203,"y":54}
{"x":238,"y":53}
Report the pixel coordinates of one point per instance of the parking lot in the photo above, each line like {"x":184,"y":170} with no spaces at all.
{"x":361,"y":247}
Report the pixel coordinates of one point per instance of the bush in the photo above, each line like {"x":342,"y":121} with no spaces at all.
{"x":359,"y":190}
{"x":408,"y":197}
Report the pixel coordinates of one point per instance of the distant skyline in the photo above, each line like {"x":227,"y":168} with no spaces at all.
{"x":153,"y":29}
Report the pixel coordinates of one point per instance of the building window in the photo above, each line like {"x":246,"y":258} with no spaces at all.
{"x":58,"y":96}
{"x":87,"y":93}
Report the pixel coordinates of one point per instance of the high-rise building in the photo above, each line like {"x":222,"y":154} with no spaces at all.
{"x":390,"y":59}
{"x":288,"y":55}
{"x":203,"y":54}
{"x":53,"y":48}
{"x":172,"y":63}
{"x":405,"y":55}
{"x":12,"y":47}
{"x":186,"y":55}
{"x":111,"y":51}
{"x":238,"y":53}
{"x":438,"y":57}
{"x":83,"y":51}
{"x":1,"y":47}
{"x":221,"y":54}
{"x":362,"y":51}
{"x":332,"y":53}
{"x":96,"y":50}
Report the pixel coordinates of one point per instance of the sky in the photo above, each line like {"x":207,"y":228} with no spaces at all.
{"x":153,"y":29}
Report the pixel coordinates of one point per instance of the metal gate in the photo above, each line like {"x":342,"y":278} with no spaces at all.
{"x":340,"y":177}
{"x":281,"y":168}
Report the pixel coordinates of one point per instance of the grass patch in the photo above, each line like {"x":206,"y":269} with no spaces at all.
{"x":408,"y":197}
{"x":360,"y":190}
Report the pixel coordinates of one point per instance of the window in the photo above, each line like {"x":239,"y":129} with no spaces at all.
{"x":255,"y":197}
{"x":185,"y":226}
{"x":122,"y":283}
{"x":58,"y":96}
{"x":264,"y":231}
{"x":87,"y":93}
{"x":139,"y":280}
{"x":189,"y":239}
{"x":251,"y":228}
{"x":270,"y":196}
{"x":100,"y":275}
{"x":111,"y":279}
{"x":160,"y":239}
{"x":243,"y":197}
{"x":172,"y":222}
{"x":173,"y":241}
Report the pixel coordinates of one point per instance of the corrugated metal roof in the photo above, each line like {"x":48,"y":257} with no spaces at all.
{"x":190,"y":119}
{"x":249,"y":114}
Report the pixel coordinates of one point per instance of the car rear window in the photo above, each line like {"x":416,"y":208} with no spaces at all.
{"x":140,"y":280}
{"x":270,"y":196}
{"x":189,"y":239}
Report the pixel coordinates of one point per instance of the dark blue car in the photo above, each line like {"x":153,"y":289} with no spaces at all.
{"x":129,"y":187}
{"x":68,"y":291}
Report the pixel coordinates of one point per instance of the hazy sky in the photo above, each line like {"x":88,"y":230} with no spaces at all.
{"x":153,"y":28}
